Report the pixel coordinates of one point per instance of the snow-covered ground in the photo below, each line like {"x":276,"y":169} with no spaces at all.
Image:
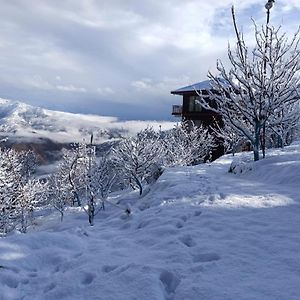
{"x":199,"y":233}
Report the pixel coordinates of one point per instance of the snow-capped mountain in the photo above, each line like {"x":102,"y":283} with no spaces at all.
{"x":21,"y":120}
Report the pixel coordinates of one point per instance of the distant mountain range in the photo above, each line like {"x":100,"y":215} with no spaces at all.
{"x":23,"y":126}
{"x":22,"y":121}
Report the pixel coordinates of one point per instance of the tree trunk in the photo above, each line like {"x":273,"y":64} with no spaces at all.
{"x":256,"y":143}
{"x":256,"y":152}
{"x":91,"y":212}
{"x":23,"y":222}
{"x":263,"y":141}
{"x":140,"y":186}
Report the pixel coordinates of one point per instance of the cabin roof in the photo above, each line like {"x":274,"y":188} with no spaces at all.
{"x":203,"y":85}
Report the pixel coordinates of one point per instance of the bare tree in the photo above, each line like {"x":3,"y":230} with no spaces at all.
{"x":259,"y":83}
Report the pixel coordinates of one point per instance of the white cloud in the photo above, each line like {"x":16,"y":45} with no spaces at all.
{"x":40,"y":83}
{"x":143,"y":84}
{"x":37,"y":82}
{"x":291,"y":5}
{"x":105,"y":90}
{"x":71,"y":88}
{"x":158,"y":88}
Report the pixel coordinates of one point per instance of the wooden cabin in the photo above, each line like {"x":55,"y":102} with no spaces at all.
{"x":191,"y":109}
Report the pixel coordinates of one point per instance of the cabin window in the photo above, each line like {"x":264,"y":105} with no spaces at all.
{"x":194,"y":104}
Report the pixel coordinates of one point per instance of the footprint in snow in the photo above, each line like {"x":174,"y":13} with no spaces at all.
{"x":49,"y":287}
{"x":88,"y":278}
{"x":222,"y":196}
{"x":76,"y":255}
{"x":32,"y":274}
{"x":9,"y":281}
{"x":58,"y":269}
{"x":205,"y":257}
{"x":187,"y":240}
{"x":13,"y":269}
{"x":211,"y":198}
{"x":108,"y":268}
{"x":25,"y":281}
{"x":126,"y":226}
{"x":184,"y":218}
{"x":197,"y":213}
{"x":143,"y":224}
{"x":179,"y":224}
{"x":170,"y":282}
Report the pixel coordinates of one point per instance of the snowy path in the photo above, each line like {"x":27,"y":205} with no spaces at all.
{"x":200,"y":233}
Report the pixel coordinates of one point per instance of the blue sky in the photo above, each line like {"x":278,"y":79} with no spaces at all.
{"x":119,"y":57}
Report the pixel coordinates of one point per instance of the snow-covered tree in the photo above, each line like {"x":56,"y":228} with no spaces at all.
{"x":20,"y":193}
{"x":82,"y":179}
{"x":260,"y":83}
{"x":187,"y":144}
{"x":138,"y":158}
{"x":78,"y":163}
{"x":230,"y":138}
{"x":32,"y":195}
{"x":62,"y":190}
{"x":28,"y":164}
{"x":59,"y":192}
{"x":103,"y":179}
{"x":10,"y":178}
{"x":282,"y":125}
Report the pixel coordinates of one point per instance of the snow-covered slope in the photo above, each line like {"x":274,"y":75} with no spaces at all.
{"x":199,"y":233}
{"x":22,"y":120}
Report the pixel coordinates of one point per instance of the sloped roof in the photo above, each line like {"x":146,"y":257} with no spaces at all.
{"x":203,"y":85}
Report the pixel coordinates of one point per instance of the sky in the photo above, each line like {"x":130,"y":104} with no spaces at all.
{"x":119,"y":57}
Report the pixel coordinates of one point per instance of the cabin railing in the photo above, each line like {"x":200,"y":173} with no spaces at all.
{"x":177,"y":110}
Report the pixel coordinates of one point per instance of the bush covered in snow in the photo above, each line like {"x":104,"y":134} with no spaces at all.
{"x":240,"y":165}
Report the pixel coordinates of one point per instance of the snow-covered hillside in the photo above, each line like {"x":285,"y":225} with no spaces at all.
{"x":199,"y":233}
{"x":18,"y":119}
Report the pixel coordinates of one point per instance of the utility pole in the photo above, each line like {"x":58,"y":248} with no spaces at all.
{"x":268,"y":7}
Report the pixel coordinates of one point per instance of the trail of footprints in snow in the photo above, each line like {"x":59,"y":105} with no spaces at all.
{"x":86,"y":278}
{"x":168,"y":279}
{"x":189,"y":242}
{"x":13,"y":277}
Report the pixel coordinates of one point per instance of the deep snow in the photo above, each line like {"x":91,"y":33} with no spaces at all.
{"x":199,"y":233}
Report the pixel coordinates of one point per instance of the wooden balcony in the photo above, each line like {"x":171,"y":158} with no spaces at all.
{"x":177,"y":110}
